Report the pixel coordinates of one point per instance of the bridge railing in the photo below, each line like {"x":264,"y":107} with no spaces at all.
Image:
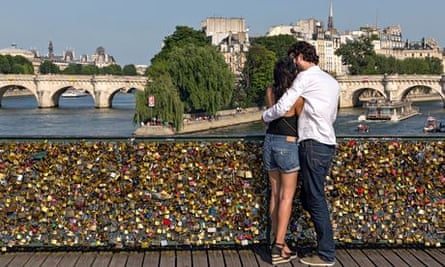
{"x":68,"y":193}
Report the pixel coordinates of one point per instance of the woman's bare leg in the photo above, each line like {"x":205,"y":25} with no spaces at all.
{"x":275,"y":184}
{"x":287,"y":192}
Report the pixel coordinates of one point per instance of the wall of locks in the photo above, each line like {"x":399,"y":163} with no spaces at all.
{"x":142,"y":194}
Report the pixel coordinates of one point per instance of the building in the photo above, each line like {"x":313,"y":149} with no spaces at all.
{"x":389,"y":42}
{"x":99,"y":58}
{"x":231,"y":36}
{"x":326,"y":41}
{"x":30,"y":55}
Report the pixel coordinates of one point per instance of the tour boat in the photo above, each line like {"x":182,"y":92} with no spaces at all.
{"x":432,"y":125}
{"x":363,"y":128}
{"x":74,"y":93}
{"x":388,"y":110}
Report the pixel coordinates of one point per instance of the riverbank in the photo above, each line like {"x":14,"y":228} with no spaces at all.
{"x":226,"y":119}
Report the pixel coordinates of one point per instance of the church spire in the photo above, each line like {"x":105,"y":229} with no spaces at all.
{"x":50,"y":50}
{"x":331,"y":19}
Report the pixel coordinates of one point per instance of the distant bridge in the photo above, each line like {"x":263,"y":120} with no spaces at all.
{"x":47,"y":89}
{"x":390,"y":87}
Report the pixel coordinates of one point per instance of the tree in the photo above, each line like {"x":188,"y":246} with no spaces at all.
{"x":112,"y":69}
{"x":15,"y":64}
{"x":183,"y":36}
{"x":22,"y":65}
{"x":17,"y":69}
{"x":362,"y":59}
{"x":258,"y":73}
{"x":73,"y":69}
{"x":160,"y":100}
{"x":202,"y":77}
{"x":48,"y":67}
{"x":89,"y":70}
{"x":129,"y":70}
{"x":279,"y":44}
{"x":197,"y":70}
{"x":389,"y":65}
{"x":357,"y":55}
{"x":5,"y":66}
{"x":435,"y":65}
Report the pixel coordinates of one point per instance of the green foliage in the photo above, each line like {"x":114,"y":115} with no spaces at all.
{"x":189,"y":74}
{"x":5,"y":67}
{"x":258,"y":70}
{"x":88,"y":69}
{"x":28,"y":69}
{"x":279,"y":44}
{"x":435,"y":65}
{"x":361,"y":59}
{"x":112,"y":69}
{"x":357,"y":56}
{"x":48,"y":67}
{"x":167,"y":107}
{"x":17,"y":68}
{"x":183,"y":36}
{"x":202,"y":77}
{"x":15,"y":65}
{"x":73,"y":69}
{"x":129,"y":70}
{"x":257,"y":74}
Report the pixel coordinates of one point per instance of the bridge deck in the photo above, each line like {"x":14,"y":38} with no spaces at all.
{"x":254,"y":256}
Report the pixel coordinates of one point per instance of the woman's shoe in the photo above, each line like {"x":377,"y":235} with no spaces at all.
{"x":280,"y":256}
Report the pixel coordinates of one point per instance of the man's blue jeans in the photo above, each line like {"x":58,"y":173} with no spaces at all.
{"x":315,"y":162}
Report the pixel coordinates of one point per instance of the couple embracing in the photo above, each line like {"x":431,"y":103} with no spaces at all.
{"x":300,"y":144}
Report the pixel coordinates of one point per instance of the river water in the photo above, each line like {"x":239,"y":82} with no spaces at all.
{"x":77,"y":117}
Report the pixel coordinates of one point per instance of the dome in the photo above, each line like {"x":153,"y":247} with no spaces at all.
{"x":100,"y":50}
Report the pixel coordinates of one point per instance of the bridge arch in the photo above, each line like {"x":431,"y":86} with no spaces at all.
{"x":361,"y":93}
{"x":5,"y":88}
{"x":55,"y":97}
{"x":404,"y":94}
{"x":391,"y":87}
{"x":48,"y":88}
{"x":112,"y":94}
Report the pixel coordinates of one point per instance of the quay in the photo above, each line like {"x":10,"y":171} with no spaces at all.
{"x":228,"y":118}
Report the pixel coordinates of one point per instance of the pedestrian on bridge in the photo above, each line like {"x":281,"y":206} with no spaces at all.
{"x":317,"y":141}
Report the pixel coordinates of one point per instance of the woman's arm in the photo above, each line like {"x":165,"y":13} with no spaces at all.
{"x":269,"y":98}
{"x":299,"y":106}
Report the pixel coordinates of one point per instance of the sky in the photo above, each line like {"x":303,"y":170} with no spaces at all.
{"x":132,"y":31}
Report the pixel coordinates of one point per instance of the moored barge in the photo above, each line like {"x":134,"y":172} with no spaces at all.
{"x":389,"y":110}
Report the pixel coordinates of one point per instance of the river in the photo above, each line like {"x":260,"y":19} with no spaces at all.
{"x":77,"y":117}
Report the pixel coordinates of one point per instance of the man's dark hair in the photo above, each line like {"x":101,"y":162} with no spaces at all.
{"x":306,"y":49}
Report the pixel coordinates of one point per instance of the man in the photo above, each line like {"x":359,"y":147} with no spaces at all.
{"x":316,"y":139}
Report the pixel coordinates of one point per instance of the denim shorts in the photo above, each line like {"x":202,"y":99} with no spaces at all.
{"x":280,"y":153}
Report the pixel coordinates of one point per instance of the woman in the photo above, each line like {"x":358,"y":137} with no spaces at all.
{"x":280,"y":158}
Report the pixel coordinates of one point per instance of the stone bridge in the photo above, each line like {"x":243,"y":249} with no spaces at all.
{"x":390,"y":87}
{"x":47,"y":89}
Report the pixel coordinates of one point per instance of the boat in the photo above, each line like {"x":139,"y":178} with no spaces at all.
{"x":388,"y":110}
{"x":432,"y":125}
{"x":70,"y":93}
{"x":363,"y":128}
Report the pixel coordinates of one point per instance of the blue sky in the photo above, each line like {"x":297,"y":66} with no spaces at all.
{"x":133,"y":30}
